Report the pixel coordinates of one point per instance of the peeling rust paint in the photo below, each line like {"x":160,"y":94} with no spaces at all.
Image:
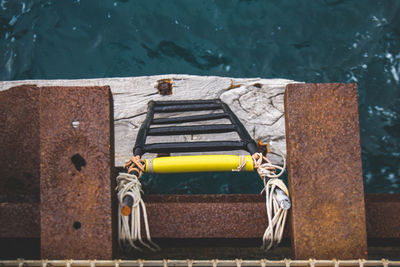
{"x":164,"y":86}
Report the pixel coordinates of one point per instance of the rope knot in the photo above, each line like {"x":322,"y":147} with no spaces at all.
{"x":264,"y":166}
{"x":135,"y":164}
{"x":129,"y":224}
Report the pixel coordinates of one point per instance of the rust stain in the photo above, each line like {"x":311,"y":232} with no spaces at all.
{"x":164,"y":86}
{"x":232,"y":85}
{"x":325,"y":174}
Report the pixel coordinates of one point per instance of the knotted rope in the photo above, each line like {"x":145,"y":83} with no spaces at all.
{"x":276,"y":197}
{"x":129,"y":218}
{"x":135,"y":164}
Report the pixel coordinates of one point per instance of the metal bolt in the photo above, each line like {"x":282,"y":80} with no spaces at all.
{"x":164,"y":86}
{"x":75,"y":124}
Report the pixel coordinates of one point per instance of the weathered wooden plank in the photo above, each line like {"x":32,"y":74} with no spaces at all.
{"x":76,"y":173}
{"x":325,"y":174}
{"x":257,"y":102}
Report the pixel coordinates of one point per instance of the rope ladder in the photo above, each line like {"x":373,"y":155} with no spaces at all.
{"x":131,"y":206}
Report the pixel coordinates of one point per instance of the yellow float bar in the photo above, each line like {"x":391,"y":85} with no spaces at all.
{"x":199,"y":163}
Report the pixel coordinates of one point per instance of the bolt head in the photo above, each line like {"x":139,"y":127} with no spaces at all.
{"x":75,"y":124}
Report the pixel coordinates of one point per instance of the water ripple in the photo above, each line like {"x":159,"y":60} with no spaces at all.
{"x":313,"y":41}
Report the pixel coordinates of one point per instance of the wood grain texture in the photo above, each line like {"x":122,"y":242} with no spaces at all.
{"x":258,"y":103}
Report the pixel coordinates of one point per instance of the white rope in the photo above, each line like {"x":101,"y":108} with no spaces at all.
{"x":129,"y":227}
{"x":242,"y":164}
{"x":277,"y":200}
{"x":275,"y":212}
{"x":267,"y":169}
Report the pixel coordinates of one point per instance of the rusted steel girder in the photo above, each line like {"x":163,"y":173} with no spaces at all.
{"x":19,"y":144}
{"x":245,"y":213}
{"x":324,"y":170}
{"x":19,"y":220}
{"x":383,"y":216}
{"x":206,"y":216}
{"x":227,"y":216}
{"x":76,"y":179}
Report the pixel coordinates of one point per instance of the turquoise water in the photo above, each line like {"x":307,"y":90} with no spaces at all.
{"x":313,"y":41}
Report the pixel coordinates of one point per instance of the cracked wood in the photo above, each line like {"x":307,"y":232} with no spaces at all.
{"x":257,"y":102}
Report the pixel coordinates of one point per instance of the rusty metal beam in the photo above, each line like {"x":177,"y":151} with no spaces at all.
{"x":19,"y":220}
{"x":324,"y":171}
{"x":383,"y":216}
{"x":66,"y":150}
{"x":168,"y":220}
{"x":19,"y":143}
{"x":76,"y":161}
{"x":206,"y":216}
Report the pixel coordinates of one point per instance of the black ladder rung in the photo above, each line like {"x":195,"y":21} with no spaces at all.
{"x":194,"y":146}
{"x":187,"y":107}
{"x":186,"y":102}
{"x":204,"y":117}
{"x":195,"y":129}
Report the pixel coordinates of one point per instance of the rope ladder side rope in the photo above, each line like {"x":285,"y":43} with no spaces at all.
{"x":277,"y":199}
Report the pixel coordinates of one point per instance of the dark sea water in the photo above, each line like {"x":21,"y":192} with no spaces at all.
{"x":312,"y":41}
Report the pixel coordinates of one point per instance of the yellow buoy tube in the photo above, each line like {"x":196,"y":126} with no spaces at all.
{"x":199,"y":163}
